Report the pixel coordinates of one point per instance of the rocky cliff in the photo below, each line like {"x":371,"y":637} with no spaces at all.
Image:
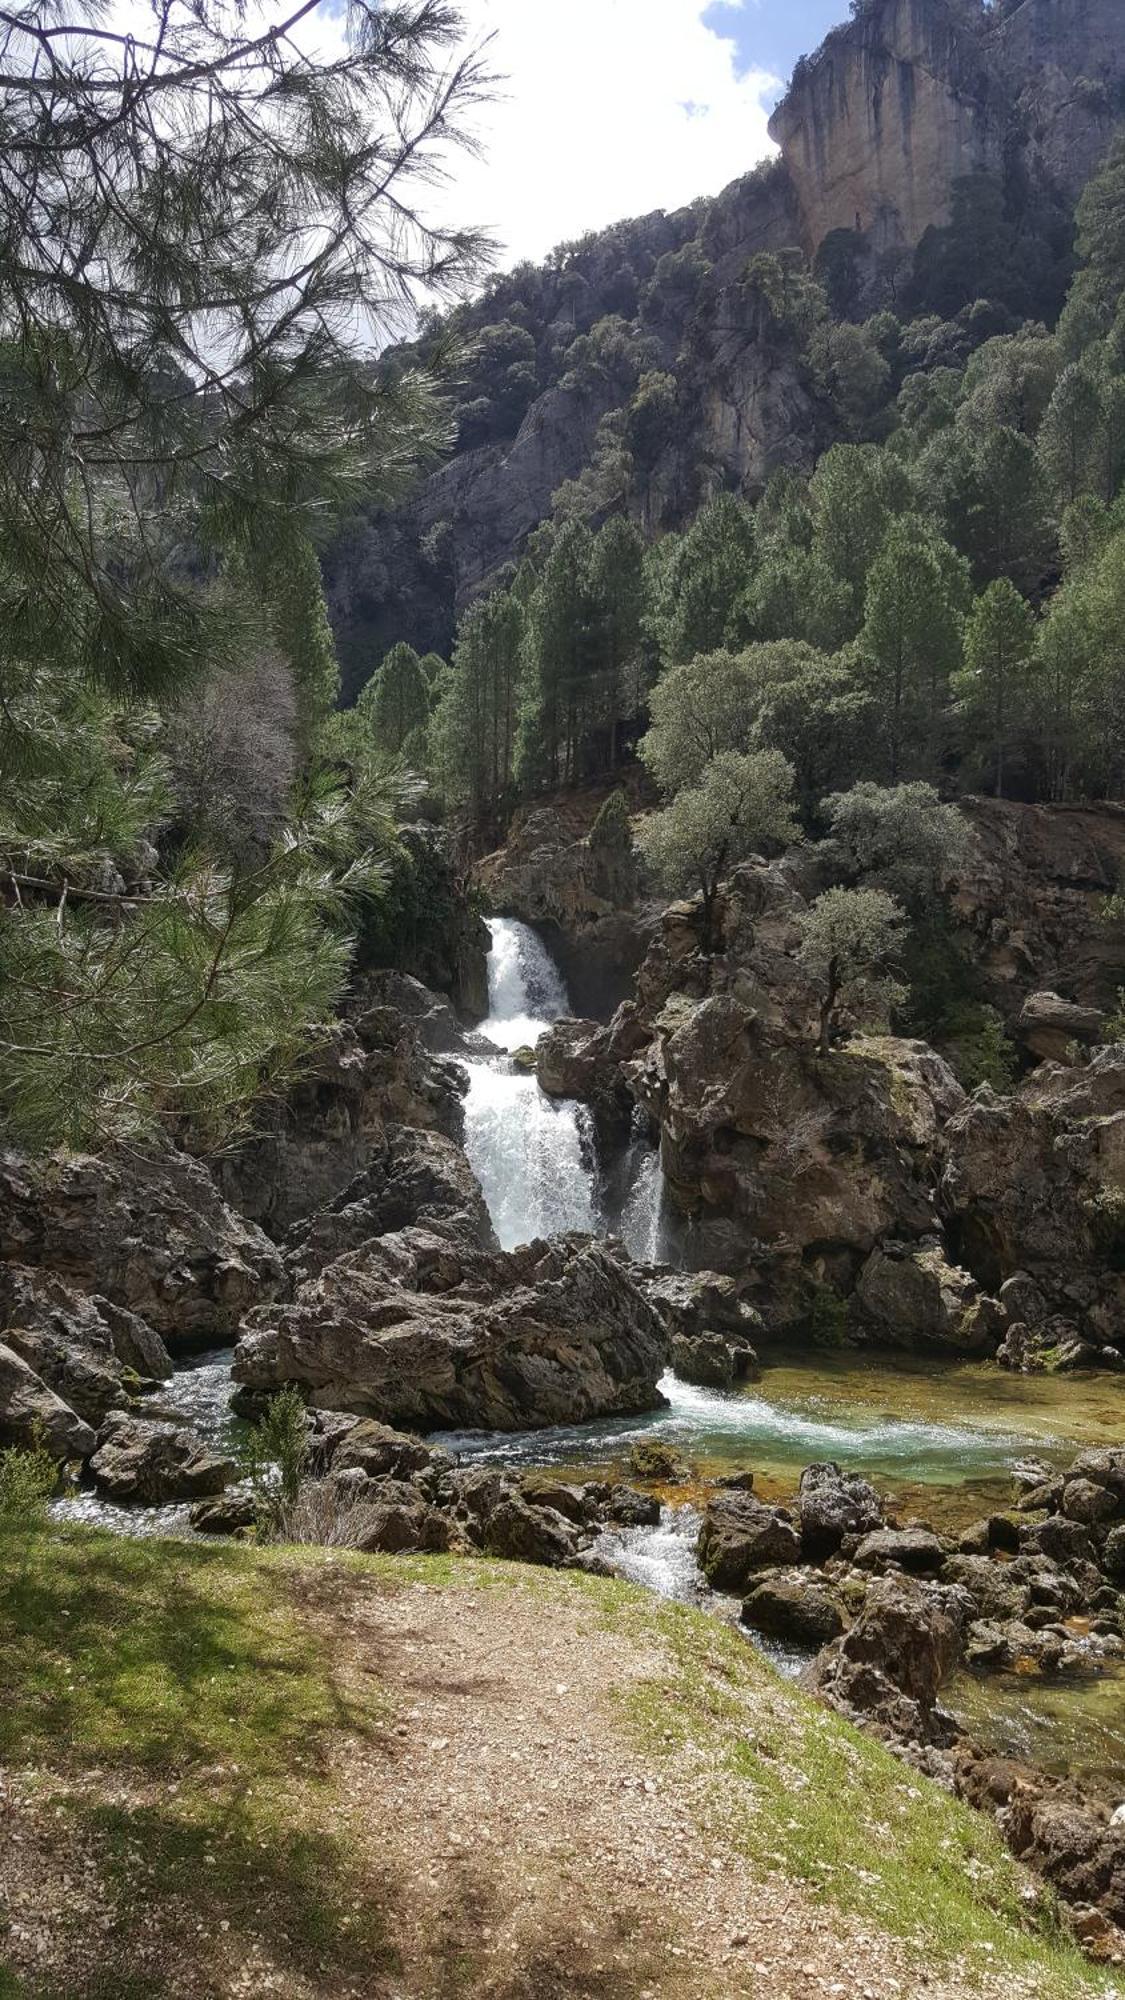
{"x":877,"y":127}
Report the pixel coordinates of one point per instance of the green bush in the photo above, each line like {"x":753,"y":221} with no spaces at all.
{"x":826,"y":1318}
{"x":276,"y":1455}
{"x":28,"y":1477}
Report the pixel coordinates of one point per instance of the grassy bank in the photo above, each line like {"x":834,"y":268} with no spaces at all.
{"x":194,"y":1741}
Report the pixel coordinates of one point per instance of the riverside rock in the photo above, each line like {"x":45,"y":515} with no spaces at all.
{"x":30,"y":1410}
{"x":832,"y":1505}
{"x":89,"y":1352}
{"x":426,"y":1331}
{"x":411,"y":1177}
{"x":740,"y":1535}
{"x":148,"y":1231}
{"x":887,"y":1668}
{"x":155,"y":1463}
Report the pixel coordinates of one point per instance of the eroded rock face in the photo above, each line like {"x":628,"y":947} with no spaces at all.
{"x":910,"y":1294}
{"x":411,"y":1177}
{"x":149,"y":1232}
{"x":89,"y":1352}
{"x":1034,"y":1184}
{"x":1050,"y":1028}
{"x":374,"y":1075}
{"x":423,"y":1330}
{"x":29,"y":1411}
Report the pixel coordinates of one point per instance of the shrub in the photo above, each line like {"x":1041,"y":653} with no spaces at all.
{"x":276,"y":1455}
{"x":28,"y":1477}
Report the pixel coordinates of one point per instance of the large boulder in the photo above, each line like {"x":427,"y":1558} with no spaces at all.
{"x":577,"y":1059}
{"x":910,"y":1295}
{"x":426,"y":1331}
{"x":1050,"y":1027}
{"x":833,"y":1505}
{"x":147,"y":1230}
{"x":887,"y":1668}
{"x":30,"y":1411}
{"x":89,"y":1352}
{"x":785,"y":1159}
{"x":155,"y":1463}
{"x":741,"y":1535}
{"x":790,"y":1604}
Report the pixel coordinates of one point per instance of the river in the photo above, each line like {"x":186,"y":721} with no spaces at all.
{"x":940,"y":1437}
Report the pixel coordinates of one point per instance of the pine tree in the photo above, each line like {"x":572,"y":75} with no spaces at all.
{"x":911,"y":638}
{"x":994,"y":684}
{"x":395,"y":704}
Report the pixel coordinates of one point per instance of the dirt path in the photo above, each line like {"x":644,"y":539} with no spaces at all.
{"x":545,"y":1856}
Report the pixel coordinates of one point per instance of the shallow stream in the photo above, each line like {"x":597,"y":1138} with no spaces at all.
{"x":941,"y":1438}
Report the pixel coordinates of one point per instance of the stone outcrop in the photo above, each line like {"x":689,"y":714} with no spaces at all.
{"x":30,"y":1411}
{"x":834,"y":1506}
{"x":148,"y":1231}
{"x":92,"y":1354}
{"x":741,"y":1535}
{"x":1034,"y":1185}
{"x":411,"y":1177}
{"x":910,"y":1294}
{"x":374,"y":1074}
{"x":887,"y":1668}
{"x":422,"y":1329}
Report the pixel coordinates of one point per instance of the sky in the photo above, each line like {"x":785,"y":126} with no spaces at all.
{"x":611,"y":108}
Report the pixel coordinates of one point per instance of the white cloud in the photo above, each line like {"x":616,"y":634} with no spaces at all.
{"x":610,"y":108}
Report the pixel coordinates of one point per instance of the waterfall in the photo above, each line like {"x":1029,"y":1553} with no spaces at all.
{"x":526,"y":1148}
{"x":642,"y":1228}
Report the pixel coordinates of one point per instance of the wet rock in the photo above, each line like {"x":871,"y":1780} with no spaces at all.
{"x":226,"y":1514}
{"x":426,"y":1332}
{"x":575,"y":1503}
{"x":888,"y":1666}
{"x":793,"y":1605}
{"x":712,"y":1360}
{"x":576,"y":1059}
{"x":652,"y":1459}
{"x":630,"y":1509}
{"x":148,"y":1231}
{"x":831,"y":1505}
{"x":915,"y":1550}
{"x":740,"y":1535}
{"x":156,"y":1463}
{"x":29,"y":1410}
{"x":911,"y":1294}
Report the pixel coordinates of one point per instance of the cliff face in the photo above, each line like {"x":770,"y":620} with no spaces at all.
{"x":883,"y":119}
{"x":913,"y":94}
{"x":896,"y":106}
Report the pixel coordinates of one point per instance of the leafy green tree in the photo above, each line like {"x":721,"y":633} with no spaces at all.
{"x":739,"y":805}
{"x":823,"y":721}
{"x":849,"y":370}
{"x":794,"y":595}
{"x":395,"y":704}
{"x":901,"y":838}
{"x":993,"y":495}
{"x":561,"y":700}
{"x":1100,"y":240}
{"x":994,"y":684}
{"x":911,"y":638}
{"x":854,"y":493}
{"x":697,"y":709}
{"x":850,"y":941}
{"x":617,"y":593}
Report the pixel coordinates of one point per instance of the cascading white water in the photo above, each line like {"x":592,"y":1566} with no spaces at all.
{"x":643,"y":1228}
{"x":525,"y":1148}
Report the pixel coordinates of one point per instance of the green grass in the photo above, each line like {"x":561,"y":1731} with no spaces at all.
{"x":191,"y":1676}
{"x":176,"y":1703}
{"x":798,"y":1789}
